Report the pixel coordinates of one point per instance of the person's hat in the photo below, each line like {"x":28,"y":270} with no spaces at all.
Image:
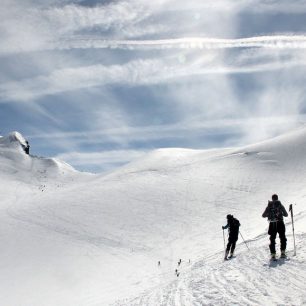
{"x":229,"y":216}
{"x":275,"y":197}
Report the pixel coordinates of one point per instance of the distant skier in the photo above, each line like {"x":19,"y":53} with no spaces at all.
{"x":275,"y":212}
{"x":179,"y":262}
{"x":233,"y":227}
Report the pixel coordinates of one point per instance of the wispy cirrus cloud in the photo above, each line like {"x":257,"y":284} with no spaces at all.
{"x":59,"y":26}
{"x":275,"y":42}
{"x":199,"y":43}
{"x":146,"y":72}
{"x":29,"y":28}
{"x":178,"y":130}
{"x":73,"y":18}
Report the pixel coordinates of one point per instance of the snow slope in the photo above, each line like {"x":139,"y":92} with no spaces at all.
{"x":72,"y":238}
{"x":247,"y":279}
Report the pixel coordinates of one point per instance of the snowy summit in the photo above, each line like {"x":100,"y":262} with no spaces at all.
{"x":14,"y":140}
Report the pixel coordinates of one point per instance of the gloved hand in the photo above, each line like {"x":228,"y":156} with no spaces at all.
{"x":223,"y":227}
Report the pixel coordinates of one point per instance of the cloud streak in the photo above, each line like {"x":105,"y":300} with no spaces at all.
{"x":71,"y":18}
{"x":274,"y":42}
{"x":198,"y":43}
{"x":180,"y":130}
{"x":145,"y":72}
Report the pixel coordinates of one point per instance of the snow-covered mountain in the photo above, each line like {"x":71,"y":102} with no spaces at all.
{"x":14,"y":159}
{"x":71,"y":238}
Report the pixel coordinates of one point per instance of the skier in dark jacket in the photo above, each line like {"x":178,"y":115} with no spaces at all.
{"x":233,"y":228}
{"x":275,"y":212}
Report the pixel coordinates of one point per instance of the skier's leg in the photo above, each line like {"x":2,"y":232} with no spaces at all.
{"x":227,"y":249}
{"x":233,"y":248}
{"x":272,"y":232}
{"x":272,"y":243}
{"x":282,"y":236}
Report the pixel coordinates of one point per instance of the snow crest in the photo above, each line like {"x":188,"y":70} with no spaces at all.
{"x":13,"y":139}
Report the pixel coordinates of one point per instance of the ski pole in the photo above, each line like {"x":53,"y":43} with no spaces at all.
{"x":244,"y":240}
{"x":291,"y":211}
{"x":223,"y":239}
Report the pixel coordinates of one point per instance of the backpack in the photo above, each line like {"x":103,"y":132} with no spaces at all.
{"x":234,"y":226}
{"x":275,"y":211}
{"x":236,"y":223}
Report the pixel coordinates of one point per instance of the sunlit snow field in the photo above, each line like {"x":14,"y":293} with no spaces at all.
{"x":70,"y":238}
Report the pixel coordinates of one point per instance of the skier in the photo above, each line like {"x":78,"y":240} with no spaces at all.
{"x":275,"y":212}
{"x":233,"y":226}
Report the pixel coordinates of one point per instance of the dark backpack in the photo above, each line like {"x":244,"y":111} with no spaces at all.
{"x":275,"y":211}
{"x":234,"y":225}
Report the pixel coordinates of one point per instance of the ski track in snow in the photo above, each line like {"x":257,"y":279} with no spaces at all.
{"x":248,"y":279}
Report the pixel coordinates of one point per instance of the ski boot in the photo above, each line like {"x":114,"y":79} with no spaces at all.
{"x":283,"y":254}
{"x":231,"y":256}
{"x":273,"y":256}
{"x":226,"y":254}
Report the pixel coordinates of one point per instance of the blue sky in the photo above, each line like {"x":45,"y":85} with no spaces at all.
{"x":100,"y":83}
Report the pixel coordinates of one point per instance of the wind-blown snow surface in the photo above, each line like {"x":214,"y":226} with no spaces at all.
{"x":71,"y":238}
